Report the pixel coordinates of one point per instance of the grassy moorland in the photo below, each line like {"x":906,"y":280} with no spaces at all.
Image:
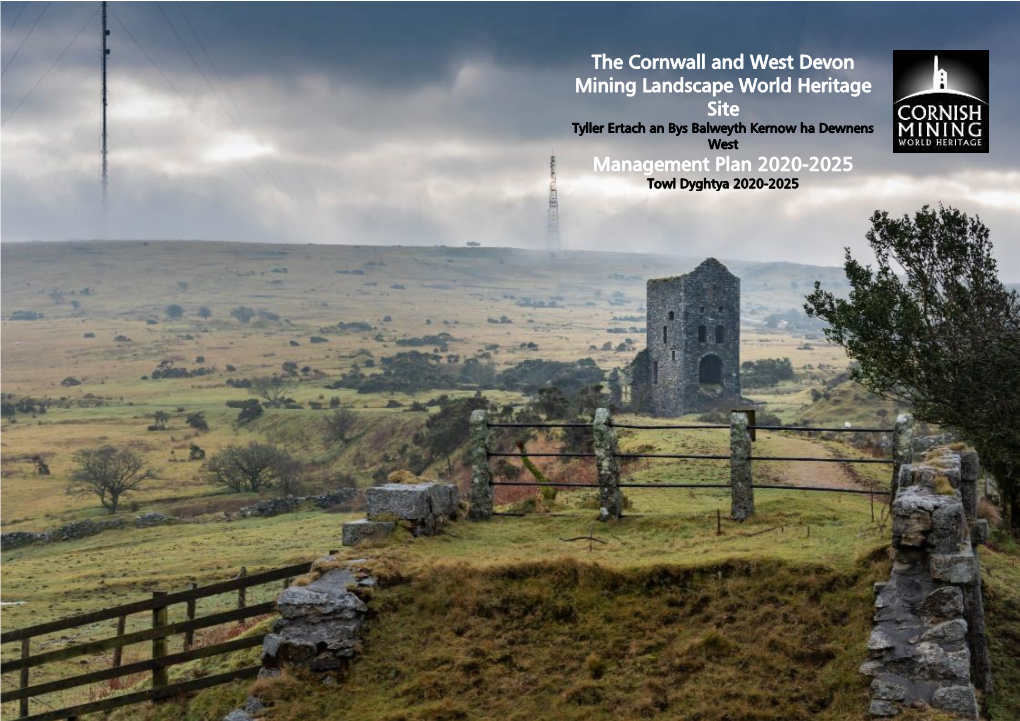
{"x":667,"y":619}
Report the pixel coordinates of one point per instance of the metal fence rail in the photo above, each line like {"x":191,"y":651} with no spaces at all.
{"x":742,"y":430}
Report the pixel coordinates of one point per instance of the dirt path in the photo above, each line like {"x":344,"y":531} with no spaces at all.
{"x":800,"y":473}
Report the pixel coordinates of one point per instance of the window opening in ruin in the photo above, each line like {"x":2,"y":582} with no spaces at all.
{"x":672,"y":315}
{"x":655,"y":372}
{"x":720,"y":334}
{"x":665,"y":334}
{"x":674,"y":355}
{"x":702,"y":334}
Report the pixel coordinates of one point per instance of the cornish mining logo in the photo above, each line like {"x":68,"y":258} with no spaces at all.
{"x":940,"y":101}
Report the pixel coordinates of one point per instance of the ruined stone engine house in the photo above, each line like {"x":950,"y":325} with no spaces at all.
{"x":694,"y":340}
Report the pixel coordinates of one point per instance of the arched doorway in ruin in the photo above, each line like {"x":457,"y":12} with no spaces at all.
{"x":710,"y":373}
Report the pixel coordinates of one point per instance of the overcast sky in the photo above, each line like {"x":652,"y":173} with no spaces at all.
{"x":433,"y":123}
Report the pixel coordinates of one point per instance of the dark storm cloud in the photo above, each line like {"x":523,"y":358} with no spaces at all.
{"x":431,"y":123}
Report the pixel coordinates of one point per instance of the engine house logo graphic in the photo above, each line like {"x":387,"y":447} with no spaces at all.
{"x":940,"y":101}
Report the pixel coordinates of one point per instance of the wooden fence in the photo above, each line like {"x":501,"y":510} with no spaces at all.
{"x":158,"y":634}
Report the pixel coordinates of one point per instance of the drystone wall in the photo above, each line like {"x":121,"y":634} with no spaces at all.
{"x":928,"y":647}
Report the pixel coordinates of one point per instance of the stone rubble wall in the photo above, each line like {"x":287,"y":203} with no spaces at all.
{"x":927,"y":647}
{"x":79,"y":529}
{"x":288,"y":504}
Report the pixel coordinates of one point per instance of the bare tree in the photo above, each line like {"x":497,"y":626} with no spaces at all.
{"x":272,"y":389}
{"x":246,"y":468}
{"x":289,"y":472}
{"x":108,"y":473}
{"x":338,"y":425}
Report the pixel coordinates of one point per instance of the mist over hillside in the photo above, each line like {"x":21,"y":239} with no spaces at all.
{"x":131,"y":279}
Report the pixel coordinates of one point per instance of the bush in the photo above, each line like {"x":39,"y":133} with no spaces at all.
{"x":242,"y":314}
{"x":197,"y":421}
{"x":766,"y":372}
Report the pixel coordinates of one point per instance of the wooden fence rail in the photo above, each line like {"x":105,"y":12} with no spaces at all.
{"x":159,"y":634}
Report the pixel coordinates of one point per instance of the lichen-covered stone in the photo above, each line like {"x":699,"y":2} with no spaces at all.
{"x":361,"y":531}
{"x":879,"y":641}
{"x":481,"y":476}
{"x":903,"y":447}
{"x":948,"y":527}
{"x":941,"y":604}
{"x":933,"y":663}
{"x":882,"y":708}
{"x":693,"y":335}
{"x":427,"y":506}
{"x":319,"y":624}
{"x":887,"y":690}
{"x":979,"y":532}
{"x":952,"y":631}
{"x":955,"y":568}
{"x":957,"y":699}
{"x":607,"y":466}
{"x":741,"y":490}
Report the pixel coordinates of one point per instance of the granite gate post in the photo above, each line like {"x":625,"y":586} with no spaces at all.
{"x":481,"y":476}
{"x":902,"y":449}
{"x":741,"y":488}
{"x":606,"y":450}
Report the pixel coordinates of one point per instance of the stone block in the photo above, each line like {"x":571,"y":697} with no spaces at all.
{"x":979,"y":532}
{"x":879,"y":642}
{"x":887,"y":690}
{"x":948,"y":527}
{"x":911,"y":529}
{"x":958,"y":699}
{"x":941,"y":604}
{"x":946,"y":632}
{"x":933,"y":663}
{"x":411,"y":502}
{"x":427,"y":506}
{"x":883,"y":708}
{"x":955,"y":568}
{"x":356,"y":532}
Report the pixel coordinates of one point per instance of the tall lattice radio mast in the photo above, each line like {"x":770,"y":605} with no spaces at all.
{"x":106,"y":53}
{"x":552,"y":233}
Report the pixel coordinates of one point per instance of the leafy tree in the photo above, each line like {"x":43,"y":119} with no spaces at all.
{"x":338,"y":425}
{"x":108,"y":473}
{"x":242,"y":313}
{"x":160,"y":419}
{"x":765,"y":372}
{"x":250,"y":468}
{"x":552,"y":403}
{"x":174,"y":311}
{"x":446,"y":430}
{"x":943,"y":337}
{"x":204,"y":312}
{"x":197,"y":421}
{"x":272,"y":389}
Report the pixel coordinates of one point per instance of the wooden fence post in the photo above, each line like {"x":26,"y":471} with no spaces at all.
{"x":608,"y":467}
{"x":189,"y":636}
{"x":242,"y":592}
{"x":902,"y":450}
{"x":481,"y":476}
{"x":25,"y":652}
{"x":118,"y":653}
{"x":160,"y":676}
{"x":741,"y":488}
